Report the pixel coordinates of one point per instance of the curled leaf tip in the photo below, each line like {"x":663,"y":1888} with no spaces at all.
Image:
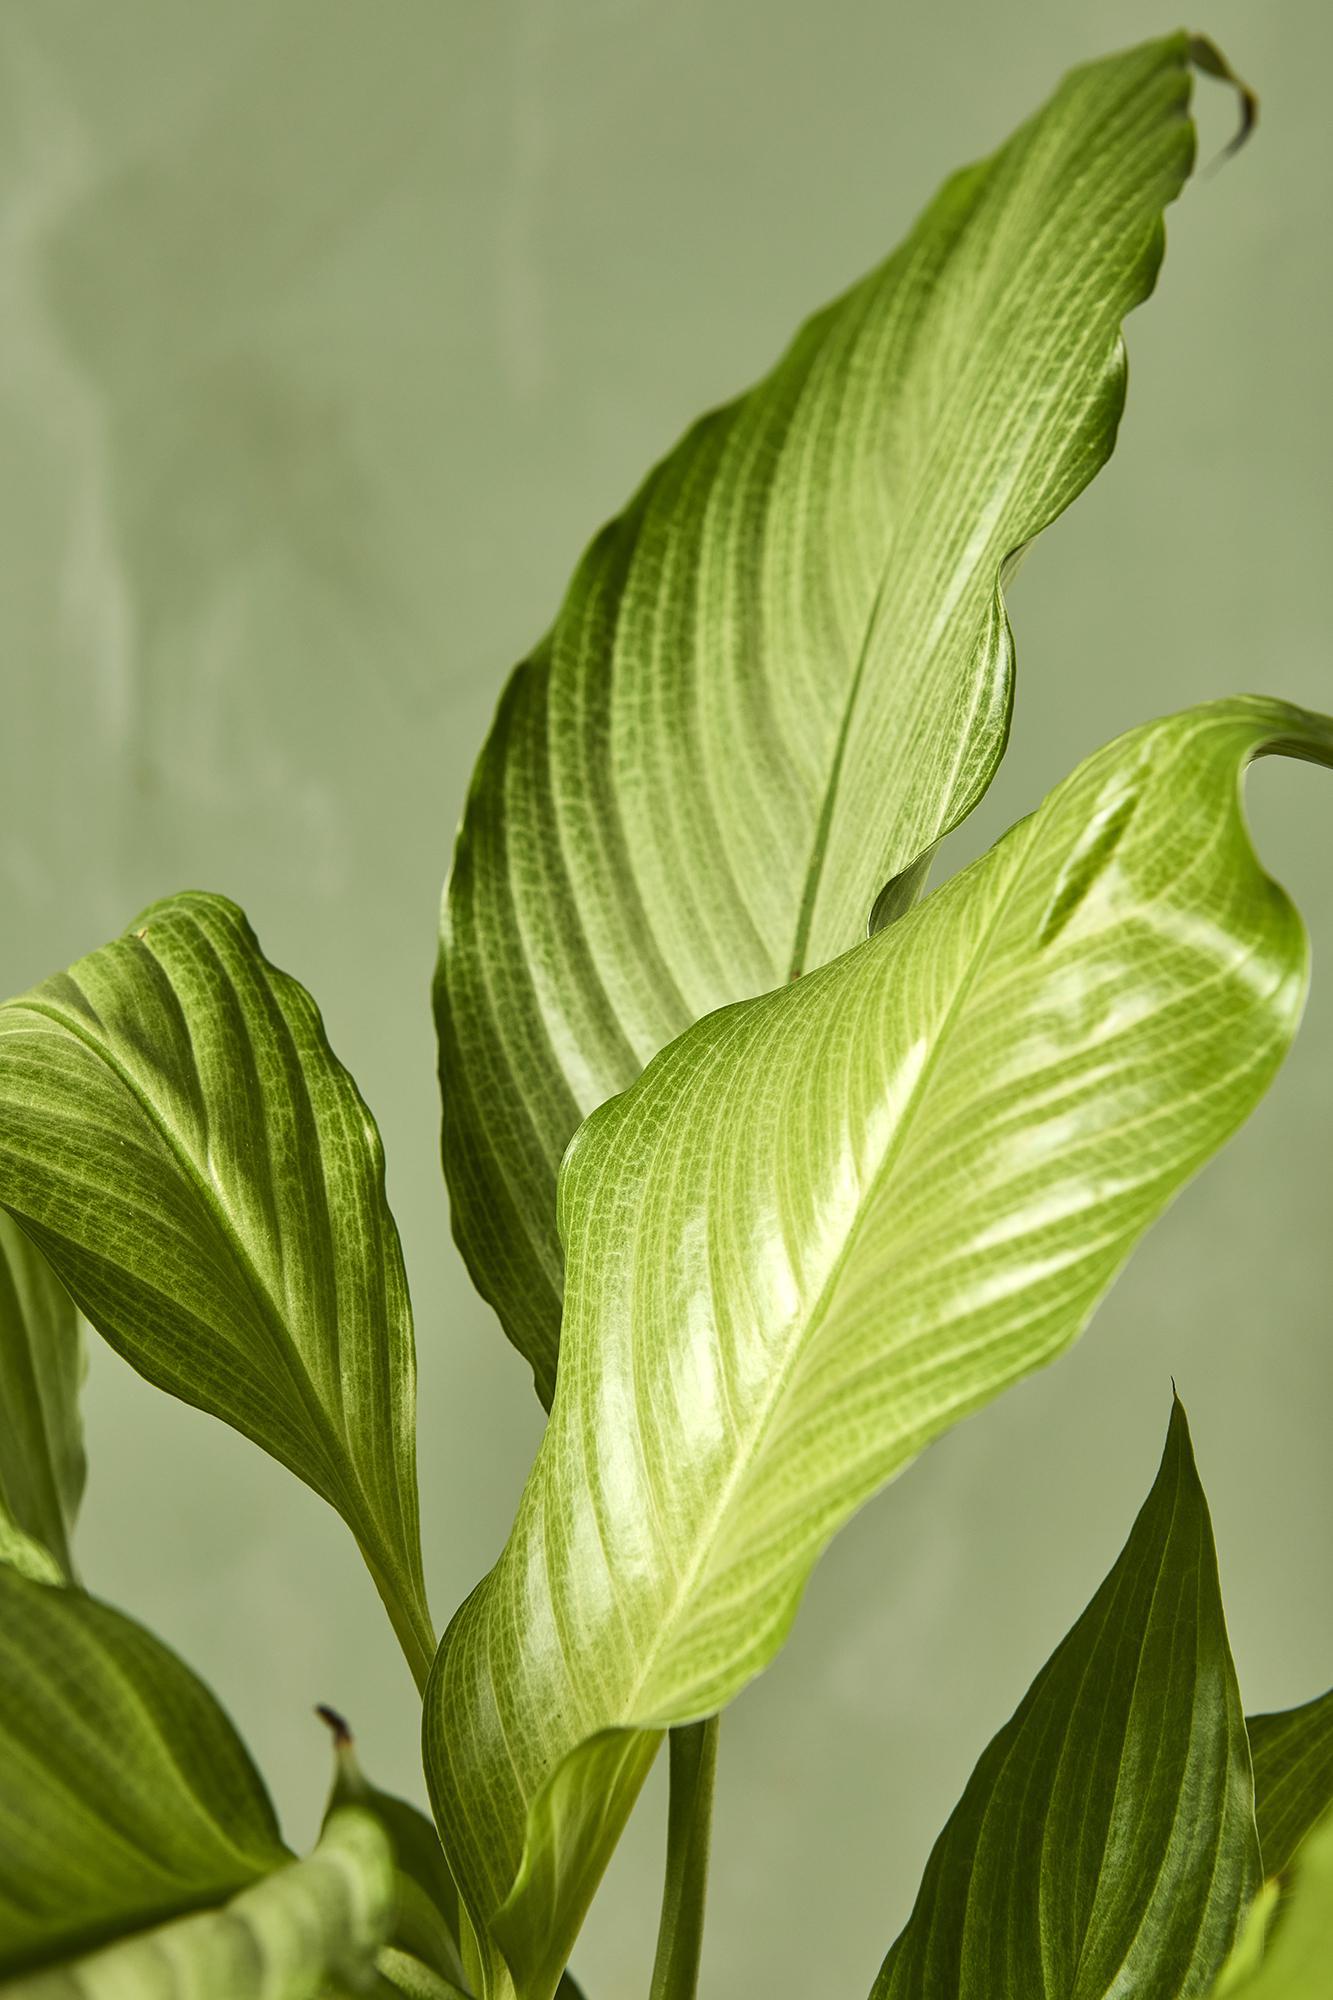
{"x":1209,"y":60}
{"x":336,"y":1725}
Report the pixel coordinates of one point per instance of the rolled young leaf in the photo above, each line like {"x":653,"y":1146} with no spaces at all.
{"x":41,"y":1435}
{"x":1293,"y":1776}
{"x":426,"y":1926}
{"x":180,"y":1140}
{"x":785,"y":670}
{"x":126,"y":1796}
{"x":822,"y":1227}
{"x":1105,"y":1844}
{"x":311,"y":1929}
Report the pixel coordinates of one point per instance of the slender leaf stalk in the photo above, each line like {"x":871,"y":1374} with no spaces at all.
{"x":689,"y":1836}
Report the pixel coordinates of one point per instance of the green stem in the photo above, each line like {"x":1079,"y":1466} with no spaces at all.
{"x":689,"y":1830}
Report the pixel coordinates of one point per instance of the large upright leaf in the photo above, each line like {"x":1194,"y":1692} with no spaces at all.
{"x":41,"y":1435}
{"x":311,"y":1930}
{"x":824,"y":1225}
{"x":1293,"y":1776}
{"x":178,"y":1137}
{"x":786,"y":669}
{"x":125,"y":1794}
{"x":1105,"y":1844}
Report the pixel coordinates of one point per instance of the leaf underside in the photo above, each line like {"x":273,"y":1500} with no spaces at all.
{"x":785,"y":670}
{"x":182,"y":1144}
{"x":823,"y":1226}
{"x":1105,"y":1844}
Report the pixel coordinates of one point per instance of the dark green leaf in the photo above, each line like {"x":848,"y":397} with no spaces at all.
{"x":822,"y":1227}
{"x":689,"y":1835}
{"x":786,"y":669}
{"x":312,"y":1928}
{"x":182,"y":1143}
{"x":1286,"y":1951}
{"x":41,"y":1436}
{"x":1105,"y":1844}
{"x":126,"y":1796}
{"x":1293,"y":1776}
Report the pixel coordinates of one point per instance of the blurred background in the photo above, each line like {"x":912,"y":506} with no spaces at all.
{"x":330,"y":332}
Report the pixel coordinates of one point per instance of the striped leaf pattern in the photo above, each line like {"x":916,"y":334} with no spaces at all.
{"x":181,"y":1142}
{"x":41,"y":1435}
{"x":823,"y":1226}
{"x":1293,"y":1776}
{"x":126,"y":1796}
{"x":1105,"y":1844}
{"x":310,"y":1931}
{"x":785,"y":670}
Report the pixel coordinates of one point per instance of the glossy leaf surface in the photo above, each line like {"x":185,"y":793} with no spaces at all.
{"x":311,"y":1929}
{"x":1293,"y":1776}
{"x":126,"y":1796}
{"x":1105,"y":1844}
{"x":202,"y":1173}
{"x":41,"y":1434}
{"x":785,"y":670}
{"x":822,"y":1227}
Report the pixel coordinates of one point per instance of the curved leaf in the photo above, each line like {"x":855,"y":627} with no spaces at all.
{"x":786,"y":669}
{"x":41,"y":1437}
{"x":1293,"y":1776}
{"x":315,"y":1921}
{"x":1287,"y":1951}
{"x":125,"y":1794}
{"x":201,"y":1171}
{"x":426,"y":1927}
{"x":822,"y":1227}
{"x":1105,"y":1844}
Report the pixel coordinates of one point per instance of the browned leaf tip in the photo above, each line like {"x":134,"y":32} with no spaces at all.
{"x":336,"y":1725}
{"x":1209,"y":60}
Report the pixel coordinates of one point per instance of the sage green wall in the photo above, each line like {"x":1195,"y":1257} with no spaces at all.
{"x":329,"y":333}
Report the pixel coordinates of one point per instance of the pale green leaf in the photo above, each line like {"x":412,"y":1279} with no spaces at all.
{"x":689,"y":1837}
{"x":1105,"y":1844}
{"x":786,"y":669}
{"x":401,"y":1973}
{"x":1287,"y":1951}
{"x":427,"y":1926}
{"x":1293,"y":1776}
{"x":202,"y":1173}
{"x":313,"y":1922}
{"x":41,"y":1436}
{"x":823,"y":1226}
{"x":126,"y":1796}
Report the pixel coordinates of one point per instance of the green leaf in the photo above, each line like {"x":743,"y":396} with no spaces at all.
{"x":126,"y":1796}
{"x":1105,"y":1844}
{"x":785,"y":670}
{"x":315,"y":1921}
{"x":823,"y":1226}
{"x":689,"y":1837}
{"x":401,"y":1973}
{"x":41,"y":1436}
{"x":427,"y":1926}
{"x":1293,"y":1776}
{"x":1287,"y":1950}
{"x":202,"y":1173}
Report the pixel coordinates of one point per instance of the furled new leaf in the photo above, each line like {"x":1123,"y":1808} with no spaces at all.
{"x":1293,"y":1776}
{"x":126,"y":1796}
{"x":426,"y":1927}
{"x":823,"y":1226}
{"x":41,"y":1436}
{"x":202,"y":1173}
{"x":311,"y":1929}
{"x":1287,"y":1952}
{"x":786,"y":669}
{"x":1105,"y":1844}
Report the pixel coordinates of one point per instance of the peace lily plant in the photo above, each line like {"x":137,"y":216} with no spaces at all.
{"x":772,"y":1166}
